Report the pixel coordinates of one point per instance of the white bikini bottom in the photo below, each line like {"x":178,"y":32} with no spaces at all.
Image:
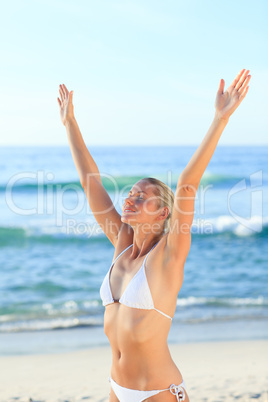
{"x":132,"y":395}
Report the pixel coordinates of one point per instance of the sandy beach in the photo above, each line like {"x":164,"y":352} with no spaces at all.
{"x":213,"y":371}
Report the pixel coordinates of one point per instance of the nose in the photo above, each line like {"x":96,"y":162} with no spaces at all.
{"x":128,"y":201}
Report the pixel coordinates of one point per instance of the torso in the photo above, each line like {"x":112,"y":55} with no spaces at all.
{"x":138,"y":337}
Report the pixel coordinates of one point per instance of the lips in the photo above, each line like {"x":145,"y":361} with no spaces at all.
{"x":128,"y":210}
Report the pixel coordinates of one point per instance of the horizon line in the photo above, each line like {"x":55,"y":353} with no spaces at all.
{"x":132,"y":145}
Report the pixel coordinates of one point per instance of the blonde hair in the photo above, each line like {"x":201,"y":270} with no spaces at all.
{"x":165,"y":195}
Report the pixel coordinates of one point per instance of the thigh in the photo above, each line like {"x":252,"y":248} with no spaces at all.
{"x":113,"y":397}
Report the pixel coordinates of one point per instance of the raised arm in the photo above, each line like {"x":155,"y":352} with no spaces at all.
{"x":226,"y":103}
{"x":89,"y":175}
{"x":179,"y":237}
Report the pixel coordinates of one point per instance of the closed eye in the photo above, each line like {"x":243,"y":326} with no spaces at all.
{"x":138,"y":196}
{"x":138,"y":192}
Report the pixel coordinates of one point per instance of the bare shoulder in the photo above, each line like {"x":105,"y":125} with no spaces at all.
{"x":165,"y":256}
{"x":165,"y":261}
{"x":157,"y":256}
{"x":165,"y":269}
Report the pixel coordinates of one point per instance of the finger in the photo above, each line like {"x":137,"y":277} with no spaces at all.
{"x":62,"y":95}
{"x":242,"y":79}
{"x":242,"y":96}
{"x":245,"y":83}
{"x":59,"y":102}
{"x":66,"y":92}
{"x":237,"y":78}
{"x":71,"y":96}
{"x":221,"y":87}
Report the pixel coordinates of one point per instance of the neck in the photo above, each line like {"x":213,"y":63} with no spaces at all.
{"x":143,"y":242}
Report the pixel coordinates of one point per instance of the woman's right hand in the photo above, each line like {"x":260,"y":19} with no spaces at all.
{"x":66,"y":104}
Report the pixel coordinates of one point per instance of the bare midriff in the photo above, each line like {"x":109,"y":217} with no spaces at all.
{"x":138,"y":338}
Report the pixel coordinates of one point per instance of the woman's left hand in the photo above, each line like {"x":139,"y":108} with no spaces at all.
{"x":226,"y":102}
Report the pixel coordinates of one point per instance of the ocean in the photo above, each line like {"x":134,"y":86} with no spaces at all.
{"x":53,"y":255}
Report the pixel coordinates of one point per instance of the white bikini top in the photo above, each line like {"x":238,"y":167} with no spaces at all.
{"x":137,"y":293}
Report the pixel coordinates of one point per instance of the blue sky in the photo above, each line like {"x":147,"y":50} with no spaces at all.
{"x":143,"y":72}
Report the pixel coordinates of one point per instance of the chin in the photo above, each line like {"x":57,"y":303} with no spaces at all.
{"x":126,"y":219}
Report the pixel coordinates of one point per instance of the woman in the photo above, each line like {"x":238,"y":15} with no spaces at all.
{"x":152,"y":240}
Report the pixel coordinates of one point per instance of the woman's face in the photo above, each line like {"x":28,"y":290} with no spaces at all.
{"x":142,"y":205}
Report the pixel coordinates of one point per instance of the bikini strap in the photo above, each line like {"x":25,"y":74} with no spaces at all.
{"x":178,"y":391}
{"x":164,"y":314}
{"x":121,"y":254}
{"x":161,"y":312}
{"x":131,"y":246}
